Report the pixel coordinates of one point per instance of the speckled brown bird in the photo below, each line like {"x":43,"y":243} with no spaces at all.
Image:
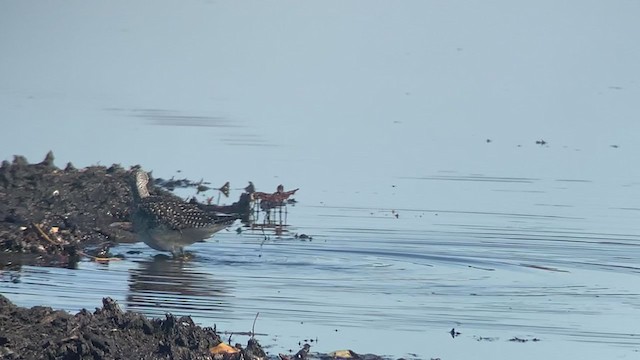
{"x":171,"y":224}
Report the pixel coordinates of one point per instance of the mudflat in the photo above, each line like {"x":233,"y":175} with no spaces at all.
{"x":52,"y":216}
{"x":106,"y":333}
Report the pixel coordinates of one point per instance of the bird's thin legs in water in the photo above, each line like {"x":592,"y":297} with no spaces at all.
{"x":182,"y":255}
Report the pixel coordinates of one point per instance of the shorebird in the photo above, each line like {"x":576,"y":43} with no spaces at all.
{"x":167,"y":224}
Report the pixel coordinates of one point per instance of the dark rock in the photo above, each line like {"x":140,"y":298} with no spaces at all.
{"x":107,"y":333}
{"x":254,"y":351}
{"x":48,"y":160}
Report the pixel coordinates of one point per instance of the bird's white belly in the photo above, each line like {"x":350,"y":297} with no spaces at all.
{"x":175,"y":240}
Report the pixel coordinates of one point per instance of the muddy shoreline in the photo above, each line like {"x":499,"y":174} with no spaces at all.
{"x":55,"y":216}
{"x":106,"y":333}
{"x":109,"y":333}
{"x":52,"y":216}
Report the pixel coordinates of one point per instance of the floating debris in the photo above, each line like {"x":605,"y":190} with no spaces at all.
{"x":522,"y":340}
{"x":300,"y":355}
{"x":269,"y":210}
{"x":276,"y":199}
{"x":303,"y":237}
{"x":224,"y":189}
{"x":483,"y":338}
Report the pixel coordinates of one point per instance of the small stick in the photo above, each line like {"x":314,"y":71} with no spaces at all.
{"x":97,"y":258}
{"x":253,"y":327}
{"x":44,"y":235}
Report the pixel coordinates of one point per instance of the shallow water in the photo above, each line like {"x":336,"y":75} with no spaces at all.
{"x":377,"y":283}
{"x":413,"y":141}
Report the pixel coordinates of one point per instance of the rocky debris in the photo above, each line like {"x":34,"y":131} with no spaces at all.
{"x":107,"y":333}
{"x":110,"y":333}
{"x":300,"y":355}
{"x":54,"y":216}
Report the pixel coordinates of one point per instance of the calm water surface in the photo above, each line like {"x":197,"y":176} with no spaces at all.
{"x":375,"y":282}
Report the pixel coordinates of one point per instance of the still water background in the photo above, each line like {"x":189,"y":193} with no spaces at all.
{"x":426,"y":110}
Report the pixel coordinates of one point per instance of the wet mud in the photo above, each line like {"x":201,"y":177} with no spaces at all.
{"x":107,"y":333}
{"x":110,"y":333}
{"x":53,"y":216}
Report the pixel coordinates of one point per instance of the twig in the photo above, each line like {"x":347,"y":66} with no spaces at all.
{"x":241,"y":333}
{"x":96,"y":258}
{"x":253,"y":327}
{"x":44,"y":235}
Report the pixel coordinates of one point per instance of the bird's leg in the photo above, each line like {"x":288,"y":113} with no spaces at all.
{"x":177,"y":253}
{"x":180,"y":254}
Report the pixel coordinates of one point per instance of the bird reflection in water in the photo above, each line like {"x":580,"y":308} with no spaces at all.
{"x":164,"y":284}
